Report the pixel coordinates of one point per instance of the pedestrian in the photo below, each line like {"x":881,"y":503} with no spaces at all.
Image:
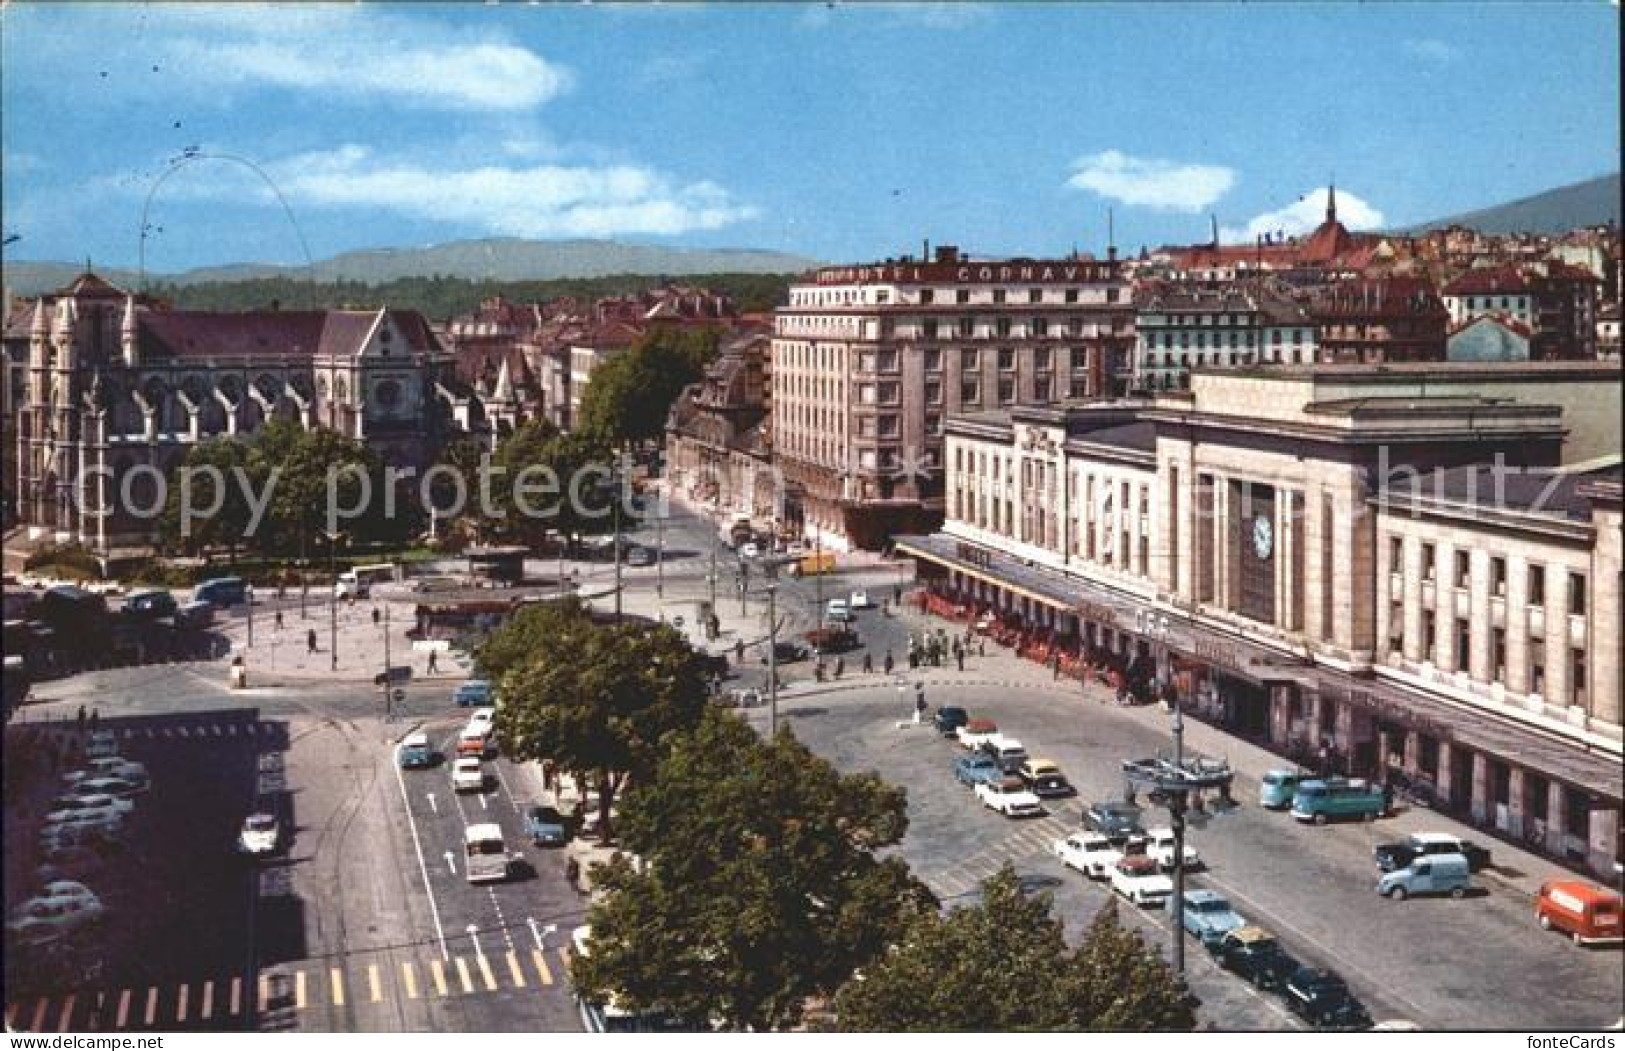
{"x":897,"y":593}
{"x":279,"y":620}
{"x":981,"y":647}
{"x":434,"y":663}
{"x":572,"y":872}
{"x":81,"y":719}
{"x":95,"y":719}
{"x":739,"y":651}
{"x":868,"y":663}
{"x":310,"y":640}
{"x":959,"y":655}
{"x":375,"y":615}
{"x":1054,"y":666}
{"x":913,"y":660}
{"x":888,"y":662}
{"x":840,"y":666}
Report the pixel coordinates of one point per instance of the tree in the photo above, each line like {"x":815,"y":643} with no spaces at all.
{"x":760,"y":887}
{"x":299,"y":501}
{"x":629,"y":397}
{"x":1004,"y":965}
{"x":231,"y":458}
{"x":592,"y":698}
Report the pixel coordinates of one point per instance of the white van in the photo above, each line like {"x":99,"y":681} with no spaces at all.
{"x":485,"y":856}
{"x":358,"y":582}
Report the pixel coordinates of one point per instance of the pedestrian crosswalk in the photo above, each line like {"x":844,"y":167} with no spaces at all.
{"x":1029,"y":838}
{"x":235,"y":1002}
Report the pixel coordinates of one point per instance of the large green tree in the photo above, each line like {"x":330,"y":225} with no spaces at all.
{"x":628,"y":397}
{"x":1003,"y":965}
{"x":595,"y":699}
{"x":218,"y":469}
{"x":759,"y":886}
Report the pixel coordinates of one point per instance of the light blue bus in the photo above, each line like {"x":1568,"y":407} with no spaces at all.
{"x":1322,"y":801}
{"x":1277,"y":787}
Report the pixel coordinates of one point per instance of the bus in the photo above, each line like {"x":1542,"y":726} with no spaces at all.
{"x":358,"y":582}
{"x":1322,"y":801}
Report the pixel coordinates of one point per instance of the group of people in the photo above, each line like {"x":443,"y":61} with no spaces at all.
{"x":933,"y":649}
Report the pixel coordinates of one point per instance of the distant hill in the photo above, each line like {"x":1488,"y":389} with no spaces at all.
{"x":494,"y":259}
{"x":1588,"y":203}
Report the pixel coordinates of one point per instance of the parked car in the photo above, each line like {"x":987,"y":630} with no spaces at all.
{"x":1009,"y":796}
{"x":260,"y":837}
{"x":1159,"y":844}
{"x":838,"y":611}
{"x":1391,"y":856}
{"x":1089,"y":852}
{"x":481,"y":719}
{"x":112,"y":766}
{"x":833,"y":639}
{"x":84,"y":830}
{"x":1586,"y":912}
{"x":76,"y":806}
{"x":1322,"y":999}
{"x":475,"y":693}
{"x":1044,"y":778}
{"x":117,"y":787}
{"x":785,"y":653}
{"x":1006,"y":751}
{"x":102,"y":744}
{"x":1115,"y":819}
{"x":1254,"y":954}
{"x":977,"y":768}
{"x":975,"y":732}
{"x":860,"y":600}
{"x":467,"y":775}
{"x":948,"y":719}
{"x":545,"y":826}
{"x":61,"y":908}
{"x":1277,"y":787}
{"x":639,"y":556}
{"x":150,"y":605}
{"x":1428,"y":874}
{"x":1334,"y":798}
{"x":1136,"y":878}
{"x":1208,"y":916}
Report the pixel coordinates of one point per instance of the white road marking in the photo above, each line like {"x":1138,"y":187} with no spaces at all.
{"x":423,"y":867}
{"x":433,"y":806}
{"x":483,"y":804}
{"x":503,"y":781}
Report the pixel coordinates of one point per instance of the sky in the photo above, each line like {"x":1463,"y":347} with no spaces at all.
{"x":845,"y":132}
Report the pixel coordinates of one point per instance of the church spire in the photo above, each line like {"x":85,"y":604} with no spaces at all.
{"x":1331,"y":201}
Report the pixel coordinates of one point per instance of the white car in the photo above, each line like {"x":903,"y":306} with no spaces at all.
{"x":860,"y":600}
{"x":260,"y":837}
{"x":102,"y":744}
{"x":75,"y":805}
{"x":117,"y":787}
{"x":838,"y":611}
{"x":1160,"y":846}
{"x":109,"y":766}
{"x":60,"y":908}
{"x":467,"y":775}
{"x":481,"y":718}
{"x":1009,"y":797}
{"x":1089,"y":852}
{"x":1136,"y":878}
{"x":976,"y":733}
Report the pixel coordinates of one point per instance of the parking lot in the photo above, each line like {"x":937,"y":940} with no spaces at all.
{"x":1442,"y":963}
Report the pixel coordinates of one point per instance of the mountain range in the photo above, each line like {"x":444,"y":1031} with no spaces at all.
{"x":493,"y":259}
{"x":1588,"y":203}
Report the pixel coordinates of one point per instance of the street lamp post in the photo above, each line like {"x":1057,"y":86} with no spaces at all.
{"x":332,"y":600}
{"x":248,"y":595}
{"x":772,"y":660}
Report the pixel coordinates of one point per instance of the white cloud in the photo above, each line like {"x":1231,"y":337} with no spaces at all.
{"x":356,"y":51}
{"x":1152,"y":183}
{"x":547,"y":200}
{"x":1429,"y":49}
{"x":946,"y":16}
{"x":1306,"y":213}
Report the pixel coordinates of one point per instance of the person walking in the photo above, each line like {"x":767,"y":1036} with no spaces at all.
{"x":279,"y":620}
{"x":95,"y":719}
{"x":959,"y":656}
{"x":375,"y":616}
{"x":888,"y":662}
{"x":868,"y":663}
{"x":310,"y":640}
{"x":1054,"y":666}
{"x":434,"y":663}
{"x":739,"y":651}
{"x":81,"y":719}
{"x":840,"y":666}
{"x":572,"y":873}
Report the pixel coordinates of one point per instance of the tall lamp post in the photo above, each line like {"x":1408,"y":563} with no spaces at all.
{"x":772,"y":659}
{"x":332,"y":599}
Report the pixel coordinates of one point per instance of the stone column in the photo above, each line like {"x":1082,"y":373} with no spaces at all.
{"x":1444,"y":611}
{"x":1413,"y":753}
{"x":1221,"y":542}
{"x":1381,"y":771}
{"x":1313,"y":597}
{"x":1480,"y":620}
{"x":1446,"y":777}
{"x":1480,"y":803}
{"x":1413,"y":602}
{"x":1517,"y":610}
{"x":1516,"y":801}
{"x":1556,"y":827}
{"x":1557,"y":637}
{"x":1280,"y":715}
{"x":1602,"y":845}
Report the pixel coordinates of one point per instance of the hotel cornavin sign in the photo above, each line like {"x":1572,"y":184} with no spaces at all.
{"x":1057,"y":272}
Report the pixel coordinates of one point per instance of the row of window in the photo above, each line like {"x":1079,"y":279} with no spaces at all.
{"x":810,"y":297}
{"x":1235,"y":339}
{"x":1462,"y":569}
{"x":1461,"y":657}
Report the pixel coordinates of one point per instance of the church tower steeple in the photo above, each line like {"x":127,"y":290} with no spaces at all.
{"x":1331,"y":201}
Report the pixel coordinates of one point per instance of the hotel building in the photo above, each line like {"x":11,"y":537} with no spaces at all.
{"x":869,"y":361}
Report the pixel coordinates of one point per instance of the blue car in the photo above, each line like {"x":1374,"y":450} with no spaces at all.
{"x":1209,"y":917}
{"x":977,"y":768}
{"x":546,"y":827}
{"x":475,"y":693}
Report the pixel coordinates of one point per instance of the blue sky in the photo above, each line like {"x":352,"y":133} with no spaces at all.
{"x":846,"y":132}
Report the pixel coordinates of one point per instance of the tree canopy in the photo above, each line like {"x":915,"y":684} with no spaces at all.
{"x":592,"y":698}
{"x":760,"y":886}
{"x":1004,"y":965}
{"x":628,"y":397}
